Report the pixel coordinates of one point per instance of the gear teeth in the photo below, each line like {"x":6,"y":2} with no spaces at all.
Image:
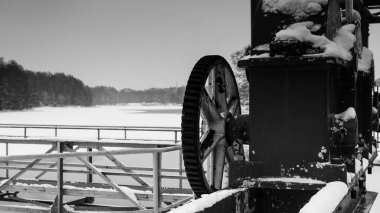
{"x":190,"y":124}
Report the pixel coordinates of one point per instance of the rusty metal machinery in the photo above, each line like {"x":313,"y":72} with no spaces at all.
{"x":297,"y":125}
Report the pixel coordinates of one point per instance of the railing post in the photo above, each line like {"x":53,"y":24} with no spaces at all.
{"x":180,"y":159}
{"x":377,"y":107}
{"x":55,"y":131}
{"x":6,"y":153}
{"x":125,"y":134}
{"x":180,"y":169}
{"x":157,"y":181}
{"x":60,"y":179}
{"x":98,"y":134}
{"x":24,"y":132}
{"x":89,"y":176}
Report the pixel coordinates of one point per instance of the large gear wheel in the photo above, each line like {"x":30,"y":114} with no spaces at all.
{"x":211,"y":98}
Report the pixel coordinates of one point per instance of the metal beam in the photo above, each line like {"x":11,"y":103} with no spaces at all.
{"x":124,"y":167}
{"x":59,"y":179}
{"x":109,"y":181}
{"x":25,"y":169}
{"x":86,"y":154}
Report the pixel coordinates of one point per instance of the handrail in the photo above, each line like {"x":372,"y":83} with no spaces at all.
{"x":130,"y":151}
{"x":52,"y":126}
{"x":175,"y":130}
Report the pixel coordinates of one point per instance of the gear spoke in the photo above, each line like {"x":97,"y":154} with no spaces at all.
{"x":216,"y":140}
{"x":230,"y":153}
{"x":231,"y":86}
{"x":209,"y":112}
{"x":233,"y":106}
{"x":206,"y":139}
{"x":220,"y":88}
{"x":219,"y":161}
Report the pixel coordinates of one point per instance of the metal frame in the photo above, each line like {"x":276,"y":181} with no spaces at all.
{"x":67,"y":148}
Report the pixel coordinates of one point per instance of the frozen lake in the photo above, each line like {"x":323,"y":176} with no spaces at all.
{"x":131,"y":115}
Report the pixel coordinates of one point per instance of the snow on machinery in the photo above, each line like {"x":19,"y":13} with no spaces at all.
{"x":312,"y":107}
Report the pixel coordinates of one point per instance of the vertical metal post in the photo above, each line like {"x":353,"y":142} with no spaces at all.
{"x":98,"y":134}
{"x":60,"y":178}
{"x":157,"y":157}
{"x":180,"y":160}
{"x":55,"y":131}
{"x":89,"y":176}
{"x":180,"y":169}
{"x":125,"y":134}
{"x":6,"y":153}
{"x":377,"y":107}
{"x":24,"y":132}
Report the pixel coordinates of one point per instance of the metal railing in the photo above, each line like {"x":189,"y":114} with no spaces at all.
{"x":98,"y":129}
{"x":13,"y":162}
{"x":66,"y":150}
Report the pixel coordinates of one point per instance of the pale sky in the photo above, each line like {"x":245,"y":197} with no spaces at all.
{"x":135,"y":44}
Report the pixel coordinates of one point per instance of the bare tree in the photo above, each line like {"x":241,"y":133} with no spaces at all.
{"x":240,"y":74}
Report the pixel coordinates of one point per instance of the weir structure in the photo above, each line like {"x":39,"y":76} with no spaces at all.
{"x":89,"y":174}
{"x":312,"y":112}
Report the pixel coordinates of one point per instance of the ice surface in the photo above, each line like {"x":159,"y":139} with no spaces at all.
{"x":128,"y":115}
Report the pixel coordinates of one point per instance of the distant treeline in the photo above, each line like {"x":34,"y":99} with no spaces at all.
{"x":22,"y":89}
{"x":109,"y":95}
